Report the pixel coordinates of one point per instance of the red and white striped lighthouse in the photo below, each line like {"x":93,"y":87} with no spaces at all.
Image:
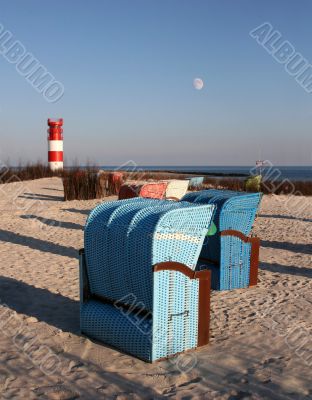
{"x":55,"y":144}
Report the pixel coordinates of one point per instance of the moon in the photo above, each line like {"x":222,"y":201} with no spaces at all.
{"x":198,"y":83}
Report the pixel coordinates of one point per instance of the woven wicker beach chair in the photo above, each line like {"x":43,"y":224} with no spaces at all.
{"x":230,"y":254}
{"x":176,"y":189}
{"x":139,"y":291}
{"x":154,"y":190}
{"x":129,"y":191}
{"x":196,"y":182}
{"x":150,"y":190}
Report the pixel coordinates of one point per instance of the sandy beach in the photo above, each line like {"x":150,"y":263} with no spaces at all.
{"x":261,"y":338}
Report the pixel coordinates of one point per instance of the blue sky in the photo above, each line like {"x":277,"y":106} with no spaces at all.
{"x":128,"y":66}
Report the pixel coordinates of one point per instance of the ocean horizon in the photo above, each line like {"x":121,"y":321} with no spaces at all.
{"x":293,"y":173}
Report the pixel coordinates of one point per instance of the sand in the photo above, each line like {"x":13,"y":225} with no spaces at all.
{"x":261,"y":338}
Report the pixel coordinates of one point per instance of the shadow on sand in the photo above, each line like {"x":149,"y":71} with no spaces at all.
{"x":286,"y":269}
{"x":38,"y":244}
{"x":40,"y":196}
{"x":52,"y":308}
{"x":295,"y":247}
{"x":75,"y":210}
{"x":55,"y":189}
{"x":54,"y":222}
{"x":278,"y":216}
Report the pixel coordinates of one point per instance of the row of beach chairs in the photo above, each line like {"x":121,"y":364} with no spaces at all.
{"x":173,"y":189}
{"x":148,"y":266}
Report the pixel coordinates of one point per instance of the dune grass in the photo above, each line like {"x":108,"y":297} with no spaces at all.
{"x":87,"y":183}
{"x":25,"y":173}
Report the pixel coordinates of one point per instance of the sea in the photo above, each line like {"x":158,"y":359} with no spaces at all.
{"x":293,"y":173}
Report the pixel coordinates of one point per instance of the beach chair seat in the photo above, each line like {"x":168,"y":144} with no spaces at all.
{"x":139,"y":288}
{"x":230,"y":254}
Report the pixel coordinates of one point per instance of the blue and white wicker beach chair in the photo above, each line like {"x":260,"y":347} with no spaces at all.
{"x":230,"y":254}
{"x":139,"y":291}
{"x":196,"y":182}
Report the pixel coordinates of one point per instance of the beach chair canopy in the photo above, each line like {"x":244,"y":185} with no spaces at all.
{"x":124,"y":239}
{"x":234,"y":210}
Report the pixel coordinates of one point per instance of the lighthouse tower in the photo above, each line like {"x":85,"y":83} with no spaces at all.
{"x":55,"y":144}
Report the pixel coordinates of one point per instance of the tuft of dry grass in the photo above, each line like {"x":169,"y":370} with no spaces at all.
{"x":80,"y":184}
{"x":28,"y":172}
{"x":87,"y":184}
